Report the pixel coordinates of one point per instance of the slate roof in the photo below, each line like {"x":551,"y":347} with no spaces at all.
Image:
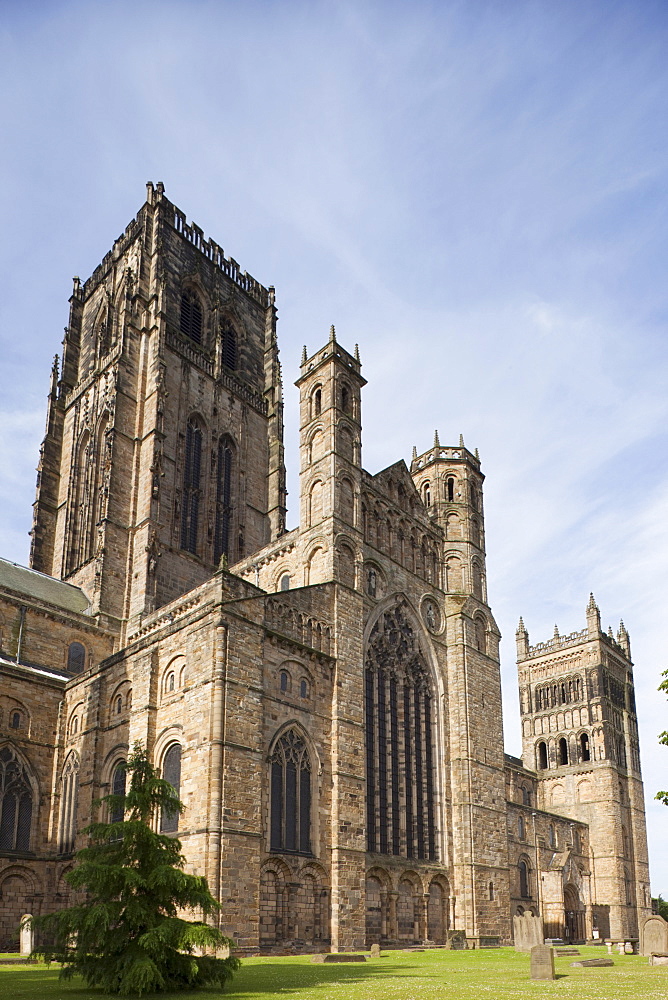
{"x":42,"y":587}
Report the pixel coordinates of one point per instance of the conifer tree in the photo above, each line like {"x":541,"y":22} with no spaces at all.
{"x":128,"y":937}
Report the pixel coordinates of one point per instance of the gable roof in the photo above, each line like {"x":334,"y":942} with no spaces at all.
{"x":41,"y":587}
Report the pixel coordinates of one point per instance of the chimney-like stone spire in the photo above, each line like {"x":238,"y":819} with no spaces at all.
{"x":556,"y":632}
{"x":357,"y":354}
{"x":332,"y":334}
{"x":461,"y":441}
{"x":304,"y":355}
{"x":623,"y":639}
{"x":522,"y":640}
{"x":437,"y":443}
{"x":477,"y":454}
{"x":414,"y":453}
{"x":593,"y":617}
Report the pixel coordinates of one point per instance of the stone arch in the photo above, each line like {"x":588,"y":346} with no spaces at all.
{"x":118,"y":703}
{"x":480,"y":626}
{"x":438,"y":909}
{"x":69,"y":796}
{"x":315,"y":565}
{"x":311,"y":921}
{"x":306,"y":792}
{"x":377,"y":886}
{"x":454,"y":573}
{"x":408,"y":921}
{"x":19,"y":886}
{"x":315,"y":448}
{"x":574,"y":915}
{"x":347,"y":500}
{"x":557,"y":794}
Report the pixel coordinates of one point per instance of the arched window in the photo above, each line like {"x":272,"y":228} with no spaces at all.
{"x":526,"y":796}
{"x":426,"y":493}
{"x":345,"y":398}
{"x":191,"y":317}
{"x":15,"y":802}
{"x":521,"y":829}
{"x":284,"y":681}
{"x":317,"y":402}
{"x":542,"y":756}
{"x":551,"y":836}
{"x":303,"y":688}
{"x":291,"y":795}
{"x":69,"y":794}
{"x":169,"y":681}
{"x":76,"y":658}
{"x":284,"y":583}
{"x":450,"y":489}
{"x":491,"y":890}
{"x":191,"y":487}
{"x":480,"y":633}
{"x":525,"y":886}
{"x":399,"y":714}
{"x":119,"y":704}
{"x":117,"y":788}
{"x":171,"y":772}
{"x":584,"y":747}
{"x":229,"y":348}
{"x":15,"y":720}
{"x":224,"y":499}
{"x":563,"y":751}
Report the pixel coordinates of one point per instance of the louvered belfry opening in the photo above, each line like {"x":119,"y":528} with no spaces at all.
{"x":399,"y":712}
{"x":224,"y":499}
{"x":191,"y":487}
{"x":191,"y":317}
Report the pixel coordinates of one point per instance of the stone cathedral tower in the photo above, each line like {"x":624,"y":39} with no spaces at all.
{"x":164,"y":444}
{"x":325,"y":700}
{"x":580,"y":734}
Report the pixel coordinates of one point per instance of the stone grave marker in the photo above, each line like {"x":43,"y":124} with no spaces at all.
{"x":342,"y":956}
{"x":542,"y":962}
{"x":658,"y":959}
{"x":592,"y":963}
{"x":527,"y":931}
{"x":375,"y":951}
{"x":653,"y":935}
{"x":25,"y":936}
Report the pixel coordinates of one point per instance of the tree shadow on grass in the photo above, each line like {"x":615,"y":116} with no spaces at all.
{"x":286,"y":978}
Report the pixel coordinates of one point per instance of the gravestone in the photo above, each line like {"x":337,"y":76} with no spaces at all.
{"x":568,"y":951}
{"x":527,"y":932}
{"x":375,"y":951}
{"x":25,"y":936}
{"x":342,"y":956}
{"x":653,"y":935}
{"x":542,"y":962}
{"x":593,"y":963}
{"x":658,"y":959}
{"x":317,"y":958}
{"x":456,"y":940}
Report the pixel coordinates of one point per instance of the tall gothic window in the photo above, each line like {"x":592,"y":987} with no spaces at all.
{"x":191,"y":317}
{"x":224,"y":499}
{"x":229,"y":348}
{"x":117,"y":788}
{"x":171,"y":772}
{"x":291,"y":795}
{"x":69,"y":793}
{"x":191,"y":487}
{"x":15,"y":802}
{"x":399,"y":711}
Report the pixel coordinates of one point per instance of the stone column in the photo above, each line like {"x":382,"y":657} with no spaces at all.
{"x":383,"y":914}
{"x":425,"y":917}
{"x":394,"y":929}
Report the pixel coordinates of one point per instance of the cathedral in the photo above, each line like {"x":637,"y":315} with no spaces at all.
{"x":327,"y":699}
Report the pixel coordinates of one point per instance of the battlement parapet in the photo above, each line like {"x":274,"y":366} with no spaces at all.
{"x":460,"y":454}
{"x":559,"y":642}
{"x":210,"y":249}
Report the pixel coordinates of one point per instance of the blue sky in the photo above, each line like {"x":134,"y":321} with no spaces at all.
{"x":474,"y":192}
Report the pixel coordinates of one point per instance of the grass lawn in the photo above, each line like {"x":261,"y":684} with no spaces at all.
{"x":396,"y":975}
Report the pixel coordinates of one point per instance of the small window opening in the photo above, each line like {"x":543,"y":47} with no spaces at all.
{"x":491,"y":890}
{"x":76,"y":658}
{"x":15,"y":722}
{"x":119,"y":705}
{"x":75,"y":725}
{"x":170,"y":682}
{"x":427,"y":495}
{"x":584,"y":747}
{"x":317,"y":402}
{"x":229,"y":349}
{"x":284,"y":681}
{"x":521,"y":829}
{"x":563,"y":752}
{"x":524,"y":880}
{"x":450,"y":489}
{"x":285,"y":582}
{"x":551,"y":836}
{"x":303,"y":689}
{"x":345,"y":399}
{"x":542,"y":756}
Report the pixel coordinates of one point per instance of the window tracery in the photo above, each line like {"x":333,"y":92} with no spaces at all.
{"x":401,"y":807}
{"x":15,"y":802}
{"x":291,"y":795}
{"x":191,"y":487}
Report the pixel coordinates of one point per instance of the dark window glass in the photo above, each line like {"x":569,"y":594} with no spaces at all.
{"x":191,"y":317}
{"x":291,"y":795}
{"x":76,"y":658}
{"x":69,"y":793}
{"x":284,"y":681}
{"x":15,"y":722}
{"x":15,"y":803}
{"x":191,"y":488}
{"x":117,"y":788}
{"x":303,"y":689}
{"x":563,"y":751}
{"x":171,"y":772}
{"x":542,"y":756}
{"x":584,"y":746}
{"x":524,"y":880}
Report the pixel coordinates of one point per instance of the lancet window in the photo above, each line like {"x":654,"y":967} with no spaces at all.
{"x":15,"y":802}
{"x":400,"y":758}
{"x":171,"y":772}
{"x":224,"y":499}
{"x":191,"y":317}
{"x":291,"y":795}
{"x":192,"y":472}
{"x":69,"y":793}
{"x":117,"y":788}
{"x":229,"y":348}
